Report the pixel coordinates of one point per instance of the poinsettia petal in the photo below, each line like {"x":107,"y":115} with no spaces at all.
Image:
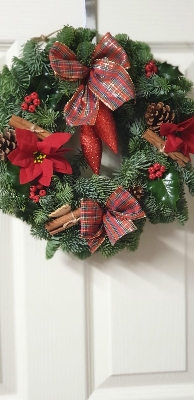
{"x":26,"y":140}
{"x":188,"y":139}
{"x":173,"y":143}
{"x":30,"y":173}
{"x":47,"y":172}
{"x":61,"y":165}
{"x":52,"y":143}
{"x":20,"y":158}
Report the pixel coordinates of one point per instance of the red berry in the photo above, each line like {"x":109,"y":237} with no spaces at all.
{"x":34,"y":95}
{"x":163,"y":168}
{"x":24,"y":106}
{"x":36,"y":102}
{"x":27,"y":99}
{"x":155,"y":69}
{"x":32,"y":195}
{"x":156,"y":166}
{"x":148,"y":74}
{"x":148,"y":67}
{"x":32,"y":108}
{"x":152,"y":62}
{"x":33,"y":188}
{"x":36,"y":199}
{"x":151,"y":170}
{"x":159,"y":174}
{"x":42,"y":193}
{"x":152,"y":176}
{"x":39,"y":186}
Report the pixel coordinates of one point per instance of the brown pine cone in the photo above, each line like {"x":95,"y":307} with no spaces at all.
{"x":137,"y":191}
{"x":157,"y":114}
{"x":7,"y":143}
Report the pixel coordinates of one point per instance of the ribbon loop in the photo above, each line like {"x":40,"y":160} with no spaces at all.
{"x":65,"y":64}
{"x":108,"y":47}
{"x":115,"y":222}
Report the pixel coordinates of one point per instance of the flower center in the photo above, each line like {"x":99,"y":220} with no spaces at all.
{"x":38,"y":157}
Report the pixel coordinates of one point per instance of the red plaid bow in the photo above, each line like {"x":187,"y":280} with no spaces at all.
{"x":107,"y":79}
{"x":184,"y":141}
{"x":116,"y":221}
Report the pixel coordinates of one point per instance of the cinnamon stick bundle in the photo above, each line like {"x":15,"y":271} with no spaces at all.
{"x":17,"y":122}
{"x":159,"y":143}
{"x":65,"y":209}
{"x":63,"y":222}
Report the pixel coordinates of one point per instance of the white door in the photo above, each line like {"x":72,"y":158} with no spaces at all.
{"x":118,"y":329}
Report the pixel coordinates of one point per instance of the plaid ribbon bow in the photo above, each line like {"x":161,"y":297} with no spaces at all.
{"x":107,"y":79}
{"x":180,"y":137}
{"x":116,"y":221}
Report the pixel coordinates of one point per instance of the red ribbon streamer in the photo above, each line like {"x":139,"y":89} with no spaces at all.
{"x":115,"y":222}
{"x":184,"y":141}
{"x":107,"y":79}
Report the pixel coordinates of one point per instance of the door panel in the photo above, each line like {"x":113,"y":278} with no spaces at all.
{"x":113,"y":329}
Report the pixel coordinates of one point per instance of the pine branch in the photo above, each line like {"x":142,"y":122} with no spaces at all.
{"x":188,"y":176}
{"x":84,"y":53}
{"x":153,"y":86}
{"x":44,"y":117}
{"x":33,"y":51}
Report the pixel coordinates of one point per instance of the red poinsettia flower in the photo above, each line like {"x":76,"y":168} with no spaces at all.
{"x":37,"y":159}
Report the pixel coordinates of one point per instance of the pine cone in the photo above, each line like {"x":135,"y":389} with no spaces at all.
{"x":158,"y":114}
{"x":137,"y":191}
{"x":7,"y":143}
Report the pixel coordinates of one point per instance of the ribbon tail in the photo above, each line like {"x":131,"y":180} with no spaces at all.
{"x":91,"y":219}
{"x":95,"y":242}
{"x":82,"y":108}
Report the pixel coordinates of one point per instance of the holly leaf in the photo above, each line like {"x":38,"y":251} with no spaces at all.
{"x":42,"y":84}
{"x":54,"y":99}
{"x":13,"y":176}
{"x":168,"y":71}
{"x":166,"y":190}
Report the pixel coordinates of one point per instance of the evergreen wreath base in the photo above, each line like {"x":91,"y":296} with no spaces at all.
{"x":162,"y":198}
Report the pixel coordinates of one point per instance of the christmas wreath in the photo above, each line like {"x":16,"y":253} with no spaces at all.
{"x":114,"y":93}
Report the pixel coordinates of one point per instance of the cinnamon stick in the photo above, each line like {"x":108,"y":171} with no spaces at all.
{"x":64,"y":222}
{"x":17,"y":122}
{"x":65,"y":209}
{"x":159,"y":143}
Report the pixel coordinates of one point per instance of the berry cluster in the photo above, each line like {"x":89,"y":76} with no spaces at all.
{"x":156,"y":171}
{"x":37,"y":191}
{"x":31,"y":101}
{"x":151,"y":68}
